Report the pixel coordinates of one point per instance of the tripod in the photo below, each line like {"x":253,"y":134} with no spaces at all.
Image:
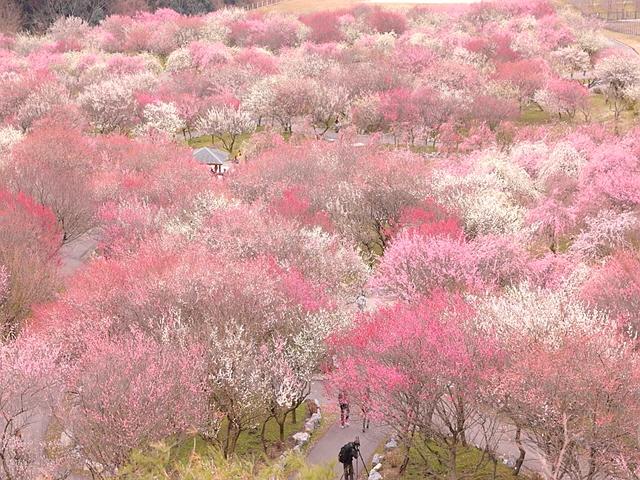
{"x":357,"y":473}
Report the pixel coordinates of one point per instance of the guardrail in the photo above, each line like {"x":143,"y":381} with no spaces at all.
{"x":260,"y":4}
{"x":609,"y":10}
{"x":629,"y":27}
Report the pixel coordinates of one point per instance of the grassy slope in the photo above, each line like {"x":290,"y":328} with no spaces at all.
{"x":207,"y":141}
{"x":249,"y":444}
{"x":468,"y":460}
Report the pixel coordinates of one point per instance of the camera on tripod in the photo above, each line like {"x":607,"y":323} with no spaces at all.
{"x":349,"y":453}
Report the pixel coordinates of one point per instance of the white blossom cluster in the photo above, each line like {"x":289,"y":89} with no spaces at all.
{"x":513,"y":178}
{"x":571,"y":59}
{"x":189,"y":222}
{"x":9,"y":136}
{"x":528,"y":313}
{"x":160,"y":117}
{"x":353,"y":28}
{"x":484,"y":203}
{"x":618,"y":72}
{"x":179,"y":59}
{"x":226,"y":120}
{"x":604,"y":233}
{"x":563,"y":158}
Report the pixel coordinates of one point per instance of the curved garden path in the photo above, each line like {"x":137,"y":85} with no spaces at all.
{"x":325,"y":450}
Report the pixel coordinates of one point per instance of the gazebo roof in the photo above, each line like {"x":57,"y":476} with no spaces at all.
{"x":210,"y":156}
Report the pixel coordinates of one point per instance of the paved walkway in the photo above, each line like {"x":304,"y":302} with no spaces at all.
{"x":72,"y":257}
{"x":325,"y":450}
{"x":75,"y":254}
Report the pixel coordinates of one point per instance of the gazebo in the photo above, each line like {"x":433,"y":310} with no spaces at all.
{"x":217,"y":160}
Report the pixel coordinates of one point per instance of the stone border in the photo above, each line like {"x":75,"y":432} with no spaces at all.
{"x":374,"y":473}
{"x":302,"y":438}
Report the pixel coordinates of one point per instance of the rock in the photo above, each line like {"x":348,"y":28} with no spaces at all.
{"x":301,"y":438}
{"x":296,"y":449}
{"x":93,"y":467}
{"x":377,"y":467}
{"x":391,"y":445}
{"x":316,"y":418}
{"x":309,"y":426}
{"x":65,"y":440}
{"x":375,"y":476}
{"x":377,"y":458}
{"x":313,"y":406}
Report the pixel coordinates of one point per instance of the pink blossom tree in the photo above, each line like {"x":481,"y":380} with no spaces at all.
{"x":613,"y":288}
{"x":45,"y":164}
{"x":419,"y":368}
{"x":563,"y":97}
{"x":28,"y":378}
{"x":572,"y":401}
{"x":399,"y":111}
{"x":29,"y":244}
{"x":527,"y":76}
{"x":124,"y":393}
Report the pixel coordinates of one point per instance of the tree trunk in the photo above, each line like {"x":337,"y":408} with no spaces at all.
{"x":522,"y":451}
{"x":407,"y":455}
{"x":460,"y":420}
{"x":225,"y":450}
{"x":592,"y":464}
{"x":235,"y":433}
{"x":281,"y":430}
{"x":453,"y":463}
{"x":405,"y":461}
{"x":263,"y":439}
{"x":557,"y":468}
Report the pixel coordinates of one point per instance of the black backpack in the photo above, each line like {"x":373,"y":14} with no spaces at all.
{"x":346,"y":454}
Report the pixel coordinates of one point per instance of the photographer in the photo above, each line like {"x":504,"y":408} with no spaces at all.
{"x":348,"y":453}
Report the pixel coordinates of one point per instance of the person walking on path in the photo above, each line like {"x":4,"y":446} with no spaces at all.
{"x":365,"y":407}
{"x":343,"y":401}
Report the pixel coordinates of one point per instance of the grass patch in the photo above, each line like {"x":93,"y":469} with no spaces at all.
{"x":470,"y":464}
{"x":249,"y":445}
{"x":423,"y":149}
{"x":532,"y":115}
{"x":208,"y":141}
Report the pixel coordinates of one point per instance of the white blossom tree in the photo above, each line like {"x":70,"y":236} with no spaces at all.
{"x":571,"y":60}
{"x":237,"y":385}
{"x":9,"y":136}
{"x":605,"y":232}
{"x":328,"y":104}
{"x":109,"y":105}
{"x":226,"y":124}
{"x":161,"y":117}
{"x":618,"y":73}
{"x":533,"y":314}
